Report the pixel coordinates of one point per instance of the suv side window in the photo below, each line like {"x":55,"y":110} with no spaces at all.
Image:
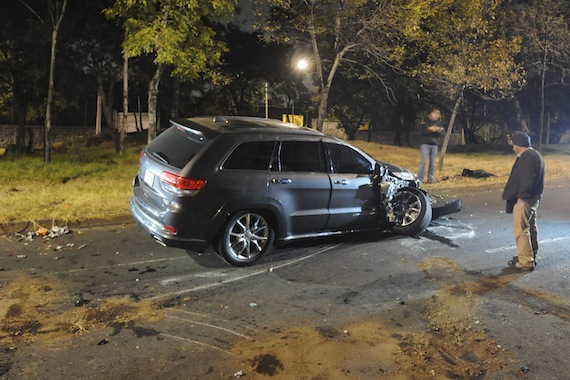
{"x":250,"y":156}
{"x":347,"y":160}
{"x":300,"y":156}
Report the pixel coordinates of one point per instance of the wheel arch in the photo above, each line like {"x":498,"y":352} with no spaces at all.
{"x":269,"y":211}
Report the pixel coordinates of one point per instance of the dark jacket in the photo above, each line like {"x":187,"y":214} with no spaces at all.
{"x":428,"y":137}
{"x":527,"y":178}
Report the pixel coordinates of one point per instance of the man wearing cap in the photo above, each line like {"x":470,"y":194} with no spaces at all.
{"x":522,"y":193}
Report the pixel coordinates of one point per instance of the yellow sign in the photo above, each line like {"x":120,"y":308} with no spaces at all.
{"x":293,"y":119}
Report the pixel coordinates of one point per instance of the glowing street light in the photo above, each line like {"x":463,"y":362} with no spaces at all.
{"x":301,"y":66}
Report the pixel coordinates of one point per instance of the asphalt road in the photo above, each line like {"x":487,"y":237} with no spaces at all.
{"x":180,"y":315}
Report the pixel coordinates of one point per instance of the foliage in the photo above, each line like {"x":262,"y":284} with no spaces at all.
{"x":545,"y":31}
{"x":338,"y":32}
{"x":248,"y":65}
{"x":458,"y":46}
{"x":175,"y":32}
{"x":361,"y":52}
{"x":24,"y":56}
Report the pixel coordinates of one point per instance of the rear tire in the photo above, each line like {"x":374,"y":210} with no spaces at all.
{"x":245,"y":238}
{"x":413,"y":211}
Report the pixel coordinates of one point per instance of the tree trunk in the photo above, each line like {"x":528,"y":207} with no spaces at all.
{"x":522,"y":122}
{"x":548,"y":125}
{"x":106,"y":102}
{"x":175,"y":104}
{"x":543,"y":78}
{"x":49,"y":100}
{"x":20,"y":147}
{"x":123,"y":127}
{"x":449,"y":129}
{"x":322,"y":108}
{"x":153,"y":102}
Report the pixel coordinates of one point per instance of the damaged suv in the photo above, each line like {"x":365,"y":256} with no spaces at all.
{"x":245,"y":184}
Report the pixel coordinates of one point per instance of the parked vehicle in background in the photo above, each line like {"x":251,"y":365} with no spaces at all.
{"x":245,"y":184}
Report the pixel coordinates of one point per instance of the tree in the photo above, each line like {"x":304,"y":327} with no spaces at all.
{"x":545,"y":31}
{"x":340,"y":32}
{"x":21,"y":76}
{"x":20,"y":58}
{"x":56,"y":11}
{"x":176,"y":33}
{"x":458,"y":47}
{"x":249,"y":63}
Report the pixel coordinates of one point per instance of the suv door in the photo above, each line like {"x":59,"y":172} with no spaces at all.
{"x":300,"y":186}
{"x":354,"y":202}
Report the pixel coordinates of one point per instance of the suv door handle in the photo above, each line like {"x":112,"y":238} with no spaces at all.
{"x":282,"y":180}
{"x":341,"y":182}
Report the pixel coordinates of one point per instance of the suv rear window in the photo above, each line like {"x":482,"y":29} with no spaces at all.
{"x":251,"y":156}
{"x":176,"y":146}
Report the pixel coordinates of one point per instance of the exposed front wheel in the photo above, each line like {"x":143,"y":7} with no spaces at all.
{"x":412,"y":210}
{"x":245,"y":238}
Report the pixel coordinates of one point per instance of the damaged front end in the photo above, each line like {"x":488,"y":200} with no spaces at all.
{"x":408,"y":209}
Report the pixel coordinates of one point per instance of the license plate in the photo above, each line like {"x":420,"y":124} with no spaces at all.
{"x":148,"y":177}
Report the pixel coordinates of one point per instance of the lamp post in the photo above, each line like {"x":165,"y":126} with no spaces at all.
{"x":266,"y":100}
{"x":301,"y":66}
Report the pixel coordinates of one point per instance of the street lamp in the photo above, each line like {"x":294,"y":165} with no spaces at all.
{"x":301,"y":65}
{"x":266,"y":100}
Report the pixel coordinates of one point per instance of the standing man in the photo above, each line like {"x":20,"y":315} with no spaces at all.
{"x":522,"y":193}
{"x":429,"y":141}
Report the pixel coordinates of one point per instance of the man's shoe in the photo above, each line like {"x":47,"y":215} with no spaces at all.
{"x":520,"y":266}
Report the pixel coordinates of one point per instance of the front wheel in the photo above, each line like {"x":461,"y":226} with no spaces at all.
{"x":245,"y":238}
{"x":413,"y":211}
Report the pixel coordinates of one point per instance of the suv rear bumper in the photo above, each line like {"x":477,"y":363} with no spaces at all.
{"x":157,"y":231}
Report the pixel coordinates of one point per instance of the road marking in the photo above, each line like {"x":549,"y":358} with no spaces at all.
{"x":209,"y":317}
{"x":508,"y":248}
{"x":192,"y":321}
{"x":186,"y":277}
{"x":197,"y":342}
{"x":248,"y":274}
{"x":452,"y":231}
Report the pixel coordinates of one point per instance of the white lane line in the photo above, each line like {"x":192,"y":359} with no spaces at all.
{"x":508,"y":248}
{"x":186,"y":277}
{"x":209,"y":317}
{"x":242,"y":277}
{"x":191,"y":321}
{"x":199,"y":343}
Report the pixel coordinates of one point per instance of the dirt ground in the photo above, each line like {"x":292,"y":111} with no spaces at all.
{"x":436,"y":338}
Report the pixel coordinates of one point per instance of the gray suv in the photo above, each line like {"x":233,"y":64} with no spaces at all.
{"x":245,"y":184}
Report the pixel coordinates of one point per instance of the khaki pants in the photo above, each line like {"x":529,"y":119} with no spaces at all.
{"x":525,"y":231}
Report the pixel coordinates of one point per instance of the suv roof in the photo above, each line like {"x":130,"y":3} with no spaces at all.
{"x":215,"y":125}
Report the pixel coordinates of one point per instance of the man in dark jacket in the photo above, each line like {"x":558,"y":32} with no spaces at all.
{"x":522,"y":193}
{"x":430,"y":135}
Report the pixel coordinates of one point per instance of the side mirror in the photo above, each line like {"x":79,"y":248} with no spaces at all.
{"x":380,"y":171}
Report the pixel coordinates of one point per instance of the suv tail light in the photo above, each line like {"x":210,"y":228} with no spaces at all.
{"x":180,"y":185}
